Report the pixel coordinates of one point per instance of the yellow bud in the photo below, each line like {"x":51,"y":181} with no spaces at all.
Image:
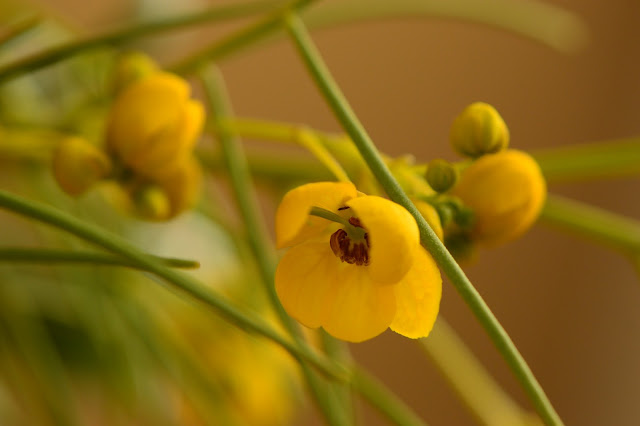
{"x":77,"y":165}
{"x":431,"y":216}
{"x":505,"y":191}
{"x":152,"y":203}
{"x":479,"y":130}
{"x":441,"y":175}
{"x":129,"y":68}
{"x":154,"y":125}
{"x":182,"y":187}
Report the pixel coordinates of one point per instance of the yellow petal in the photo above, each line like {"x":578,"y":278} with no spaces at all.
{"x":172,"y":145}
{"x":393,"y":236}
{"x":506,"y":192}
{"x":293,"y":223}
{"x":305,"y":280}
{"x":360,"y":309}
{"x":418,"y":297}
{"x":142,"y":110}
{"x":182,"y":186}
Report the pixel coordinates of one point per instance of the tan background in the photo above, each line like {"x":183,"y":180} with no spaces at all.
{"x":571,"y":307}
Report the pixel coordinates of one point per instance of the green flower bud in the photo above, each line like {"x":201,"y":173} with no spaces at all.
{"x":441,"y":175}
{"x":129,"y":68}
{"x":152,"y":203}
{"x":479,"y":130}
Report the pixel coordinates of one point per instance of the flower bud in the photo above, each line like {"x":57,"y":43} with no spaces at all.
{"x":77,"y":165}
{"x":505,"y":191}
{"x":441,"y":175}
{"x":182,"y":187}
{"x":152,"y":203}
{"x":479,"y":130}
{"x":153,"y":125}
{"x":129,"y":68}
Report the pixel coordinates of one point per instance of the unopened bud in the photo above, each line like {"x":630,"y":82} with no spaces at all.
{"x":152,"y":203}
{"x":441,"y":175}
{"x":78,"y":164}
{"x":479,"y":130}
{"x":129,"y":68}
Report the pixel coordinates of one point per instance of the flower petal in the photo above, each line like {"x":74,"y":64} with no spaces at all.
{"x":293,"y":223}
{"x":393,"y":236}
{"x":305,"y":281}
{"x":360,"y":309}
{"x":143,"y":109}
{"x":418,"y":297}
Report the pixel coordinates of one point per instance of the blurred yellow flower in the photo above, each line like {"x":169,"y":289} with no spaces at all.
{"x":154,"y":125}
{"x":77,"y":165}
{"x":506,"y":192}
{"x":354,"y":280}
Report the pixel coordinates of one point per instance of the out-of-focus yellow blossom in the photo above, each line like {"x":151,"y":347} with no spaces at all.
{"x":354,"y":280}
{"x":505,"y":191}
{"x":154,"y":125}
{"x":431,"y":216}
{"x":479,"y":130}
{"x":78,"y":165}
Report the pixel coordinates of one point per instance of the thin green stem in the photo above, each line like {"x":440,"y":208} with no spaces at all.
{"x":535,"y":20}
{"x":55,"y":54}
{"x":41,"y":255}
{"x":471,"y":381}
{"x":245,"y":320}
{"x":386,"y":402}
{"x":289,"y":133}
{"x":594,"y":223}
{"x":345,"y":115}
{"x":329,"y":215}
{"x":18,"y":30}
{"x":237,"y":41}
{"x":607,"y":159}
{"x":245,"y":197}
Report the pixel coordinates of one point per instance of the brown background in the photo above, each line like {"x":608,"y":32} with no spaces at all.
{"x":571,"y":307}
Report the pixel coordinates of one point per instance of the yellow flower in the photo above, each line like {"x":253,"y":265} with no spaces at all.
{"x":154,"y":125}
{"x":78,"y":165}
{"x":358,"y":279}
{"x":506,"y":192}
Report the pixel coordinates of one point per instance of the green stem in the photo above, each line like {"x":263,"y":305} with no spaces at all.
{"x":594,"y":223}
{"x":290,"y":133}
{"x":40,"y":255}
{"x":119,"y":36}
{"x":236,"y":41}
{"x":18,"y":30}
{"x":343,"y":112}
{"x":386,"y":402}
{"x":95,"y":235}
{"x":538,"y":21}
{"x":616,"y":158}
{"x":481,"y":394}
{"x":245,"y":197}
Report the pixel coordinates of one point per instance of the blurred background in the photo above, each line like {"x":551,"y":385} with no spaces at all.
{"x":570,"y":306}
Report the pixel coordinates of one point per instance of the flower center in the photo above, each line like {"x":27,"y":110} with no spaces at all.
{"x":350,"y":250}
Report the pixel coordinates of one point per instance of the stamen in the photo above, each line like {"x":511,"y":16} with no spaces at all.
{"x":348,"y":251}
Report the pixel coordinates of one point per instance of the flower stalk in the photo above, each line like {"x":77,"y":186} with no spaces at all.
{"x":345,"y":115}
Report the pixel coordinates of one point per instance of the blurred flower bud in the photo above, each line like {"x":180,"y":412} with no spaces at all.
{"x":441,"y":175}
{"x":129,"y":68}
{"x":153,"y":125}
{"x":430,"y":214}
{"x":182,"y":187}
{"x":479,"y":130}
{"x":505,"y":191}
{"x":78,"y":164}
{"x":152,"y":203}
